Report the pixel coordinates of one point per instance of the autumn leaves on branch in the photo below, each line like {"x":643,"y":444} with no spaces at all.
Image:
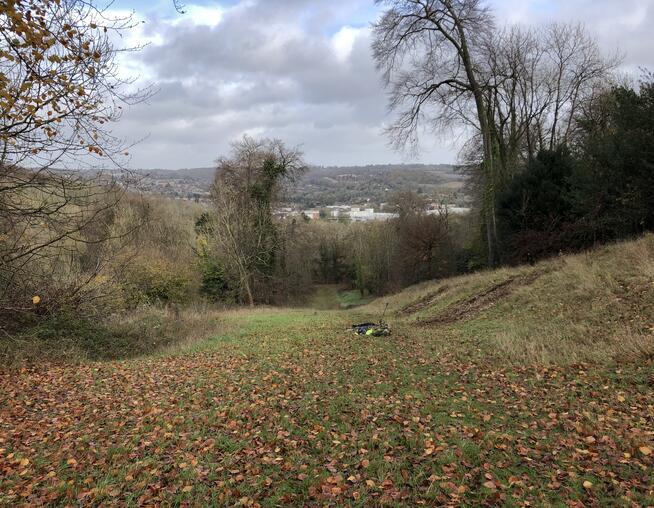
{"x":60,"y":89}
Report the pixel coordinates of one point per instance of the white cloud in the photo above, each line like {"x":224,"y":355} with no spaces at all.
{"x":343,"y":41}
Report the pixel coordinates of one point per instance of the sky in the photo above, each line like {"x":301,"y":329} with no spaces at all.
{"x":302,"y":71}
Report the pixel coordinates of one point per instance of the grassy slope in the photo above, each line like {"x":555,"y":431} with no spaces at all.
{"x":285,"y":407}
{"x":596,"y":307}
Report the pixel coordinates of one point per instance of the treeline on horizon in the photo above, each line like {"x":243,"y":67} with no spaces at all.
{"x":560,"y":159}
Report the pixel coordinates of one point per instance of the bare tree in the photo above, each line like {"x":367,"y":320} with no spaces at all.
{"x":518,"y":89}
{"x":407,"y":203}
{"x":577,"y":70}
{"x":425,"y":247}
{"x":427,"y":50}
{"x":247,"y":185}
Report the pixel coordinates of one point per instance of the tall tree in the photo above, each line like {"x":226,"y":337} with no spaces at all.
{"x":427,"y":51}
{"x":518,"y":89}
{"x":246,"y":188}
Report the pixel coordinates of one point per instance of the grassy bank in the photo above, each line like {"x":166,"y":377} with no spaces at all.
{"x":593,"y":307}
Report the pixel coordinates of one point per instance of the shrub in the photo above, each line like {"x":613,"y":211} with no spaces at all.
{"x":68,"y":336}
{"x":151,"y":281}
{"x":215,"y":284}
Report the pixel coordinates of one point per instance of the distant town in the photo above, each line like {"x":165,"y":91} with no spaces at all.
{"x":357,"y":194}
{"x":358,"y":214}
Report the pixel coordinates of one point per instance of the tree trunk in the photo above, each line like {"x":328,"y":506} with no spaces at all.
{"x":488,"y":166}
{"x":489,"y":175}
{"x":248,"y":291}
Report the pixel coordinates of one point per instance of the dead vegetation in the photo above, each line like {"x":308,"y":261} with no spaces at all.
{"x":148,"y":330}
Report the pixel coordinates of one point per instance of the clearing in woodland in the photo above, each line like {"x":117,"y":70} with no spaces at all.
{"x":538,"y":392}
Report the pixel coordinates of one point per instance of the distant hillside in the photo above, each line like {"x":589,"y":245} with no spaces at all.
{"x":200,"y":174}
{"x":324,"y":186}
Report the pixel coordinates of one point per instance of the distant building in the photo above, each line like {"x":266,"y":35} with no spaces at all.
{"x":369,"y":214}
{"x":311,"y":214}
{"x":337,"y":212}
{"x":284,"y":212}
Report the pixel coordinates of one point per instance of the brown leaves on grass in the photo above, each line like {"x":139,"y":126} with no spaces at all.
{"x":297,"y":419}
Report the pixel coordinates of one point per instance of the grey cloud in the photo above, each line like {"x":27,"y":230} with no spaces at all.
{"x":269,"y":68}
{"x":622,"y":26}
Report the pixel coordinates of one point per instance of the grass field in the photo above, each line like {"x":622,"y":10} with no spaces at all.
{"x":522,"y":387}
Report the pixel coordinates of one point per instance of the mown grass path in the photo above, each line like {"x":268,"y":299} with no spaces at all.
{"x":287,"y":408}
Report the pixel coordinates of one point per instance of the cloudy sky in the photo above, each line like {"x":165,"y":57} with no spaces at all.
{"x":301,"y":70}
